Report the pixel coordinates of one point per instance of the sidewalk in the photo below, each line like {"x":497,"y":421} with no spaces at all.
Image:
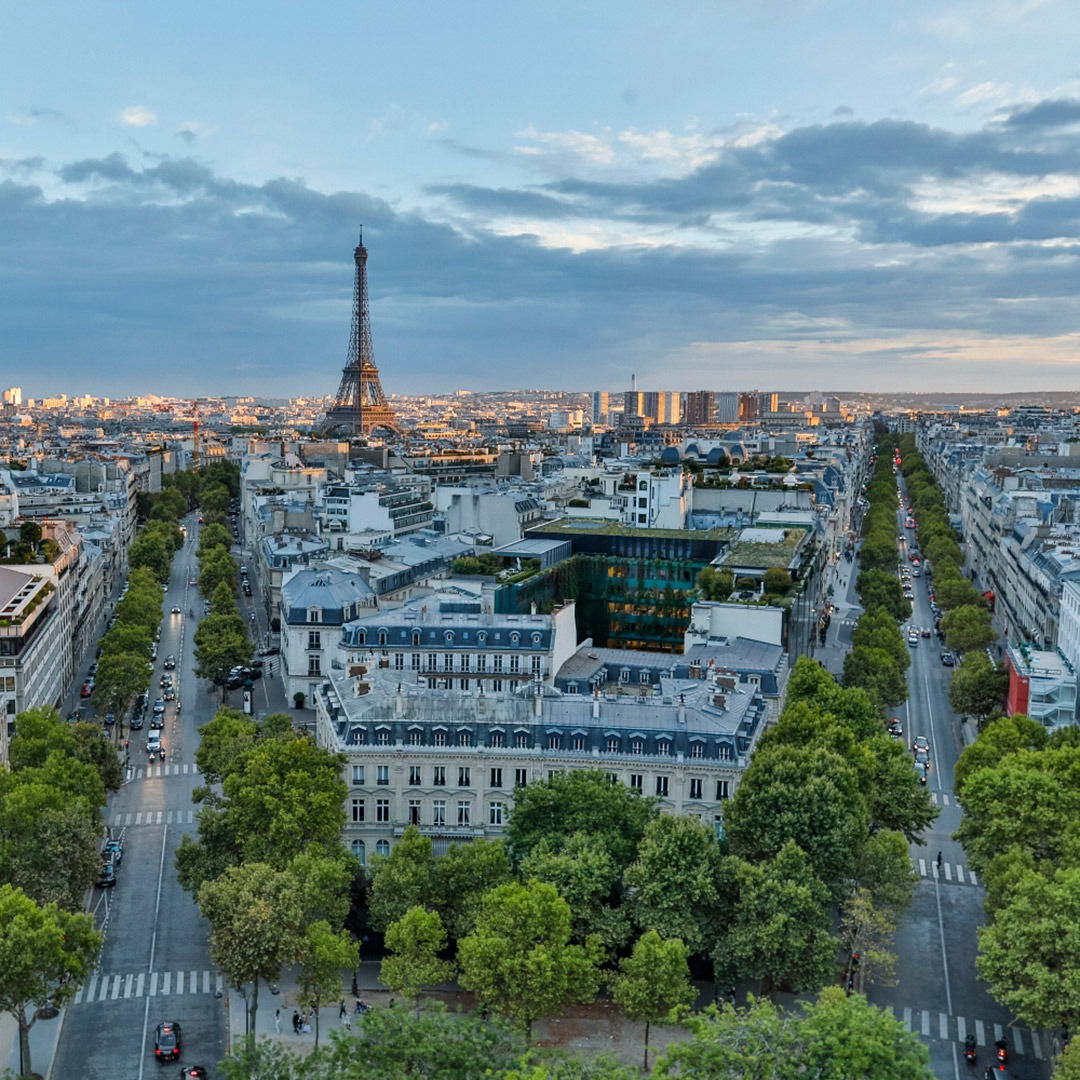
{"x":43,"y":1038}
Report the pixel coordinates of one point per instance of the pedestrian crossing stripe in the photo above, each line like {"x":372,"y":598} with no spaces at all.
{"x":1024,"y":1041}
{"x":940,"y":798}
{"x":134,"y":985}
{"x":947,"y":872}
{"x":155,"y":772}
{"x":153,"y":817}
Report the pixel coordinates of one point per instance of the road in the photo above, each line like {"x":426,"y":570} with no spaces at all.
{"x":937,"y":992}
{"x":156,"y":961}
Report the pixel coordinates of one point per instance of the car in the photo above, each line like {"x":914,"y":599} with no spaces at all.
{"x":896,"y":729}
{"x":107,"y":875}
{"x":921,"y":772}
{"x":157,"y":722}
{"x":922,"y":758}
{"x":193,"y":1072}
{"x":110,"y":719}
{"x":921,"y":743}
{"x":87,"y":688}
{"x":170,"y":694}
{"x":176,"y":609}
{"x":164,"y":587}
{"x":947,"y":658}
{"x":926,"y":631}
{"x":913,"y":637}
{"x":170,"y":663}
{"x":193,"y":581}
{"x":916,"y":572}
{"x":159,"y":706}
{"x":165,"y":680}
{"x":93,"y":670}
{"x":167,"y":1038}
{"x":136,"y":722}
{"x":153,"y":745}
{"x":243,"y":570}
{"x":271,"y":650}
{"x":113,"y":851}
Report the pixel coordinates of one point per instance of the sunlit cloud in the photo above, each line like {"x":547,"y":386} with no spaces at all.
{"x":137,"y":116}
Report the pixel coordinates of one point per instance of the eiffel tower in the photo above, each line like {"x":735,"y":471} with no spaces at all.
{"x":361,"y":405}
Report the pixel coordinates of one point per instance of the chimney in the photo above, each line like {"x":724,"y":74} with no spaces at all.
{"x":596,"y":702}
{"x":682,"y":710}
{"x":538,"y":706}
{"x":399,"y":702}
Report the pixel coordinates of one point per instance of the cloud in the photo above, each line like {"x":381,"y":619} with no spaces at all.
{"x":1058,"y":112}
{"x":33,"y":115}
{"x":137,"y":116}
{"x":191,"y":130}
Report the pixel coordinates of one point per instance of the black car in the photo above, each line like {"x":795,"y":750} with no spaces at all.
{"x":193,"y":1072}
{"x":136,"y":722}
{"x":167,"y":1041}
{"x":272,"y":650}
{"x":107,"y":876}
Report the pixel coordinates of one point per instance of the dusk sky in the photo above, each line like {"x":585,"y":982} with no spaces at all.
{"x":863,"y":195}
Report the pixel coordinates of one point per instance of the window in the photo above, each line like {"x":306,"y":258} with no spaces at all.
{"x":314,"y":639}
{"x":645,"y":679}
{"x":495,"y":813}
{"x":414,"y":776}
{"x":695,"y":789}
{"x":438,"y":776}
{"x":416,"y":738}
{"x":496,"y":778}
{"x":382,"y":810}
{"x":438,"y":813}
{"x":636,"y":781}
{"x":382,"y":847}
{"x":552,"y":773}
{"x":432,"y":662}
{"x":498,"y":662}
{"x":414,"y":811}
{"x":382,"y":737}
{"x":464,"y":738}
{"x":463,"y":777}
{"x":521,"y":777}
{"x":448,"y":662}
{"x":721,"y":790}
{"x":496,"y":685}
{"x":359,"y":811}
{"x":481,"y":662}
{"x":697,"y":750}
{"x":464,"y":661}
{"x":314,"y":615}
{"x":415,"y":661}
{"x":613,"y":745}
{"x":515,"y":664}
{"x":313,"y":664}
{"x":662,"y":786}
{"x":624,"y":675}
{"x":637,"y":746}
{"x":554,"y":741}
{"x":399,"y":661}
{"x":579,"y":742}
{"x":463,"y":813}
{"x":723,"y":752}
{"x":463,"y":684}
{"x":521,"y":740}
{"x":358,"y":774}
{"x":415,"y":638}
{"x":515,"y":637}
{"x":497,"y":739}
{"x":535,"y":666}
{"x":440,"y":738}
{"x":359,"y":851}
{"x":663,"y":747}
{"x":382,"y":774}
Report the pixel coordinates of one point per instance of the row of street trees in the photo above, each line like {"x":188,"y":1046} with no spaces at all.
{"x":222,"y":641}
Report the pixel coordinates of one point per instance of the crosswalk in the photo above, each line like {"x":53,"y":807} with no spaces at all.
{"x":155,"y":772}
{"x":148,"y":984}
{"x":153,"y":817}
{"x":947,"y":872}
{"x":941,"y":798}
{"x":1022,"y":1041}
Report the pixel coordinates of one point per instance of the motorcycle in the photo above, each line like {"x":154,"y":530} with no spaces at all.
{"x":1002,"y":1051}
{"x":969,"y":1049}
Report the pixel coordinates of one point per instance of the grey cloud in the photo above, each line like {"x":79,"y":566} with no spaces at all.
{"x":505,"y":200}
{"x":1055,"y":112}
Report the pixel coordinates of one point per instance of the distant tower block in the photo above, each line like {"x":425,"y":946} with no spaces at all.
{"x":361,"y":405}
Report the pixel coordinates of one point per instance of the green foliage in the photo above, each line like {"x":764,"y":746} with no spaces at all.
{"x":1004,"y":736}
{"x":653,"y":982}
{"x":582,"y":800}
{"x":978,"y":685}
{"x":881,"y":589}
{"x":877,"y":629}
{"x":323,"y":955}
{"x":221,"y":643}
{"x":120,"y":678}
{"x":777,"y":581}
{"x":45,"y":955}
{"x":217,"y":567}
{"x":675,"y":881}
{"x":519,"y":961}
{"x":414,"y":942}
{"x":462,"y":876}
{"x":486,"y":564}
{"x":715,"y":584}
{"x":876,"y":672}
{"x":968,"y":627}
{"x":402,"y":880}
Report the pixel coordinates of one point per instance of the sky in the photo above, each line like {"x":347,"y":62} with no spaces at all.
{"x":861,"y":195}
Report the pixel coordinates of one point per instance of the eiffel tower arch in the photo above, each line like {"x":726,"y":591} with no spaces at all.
{"x":360,"y":406}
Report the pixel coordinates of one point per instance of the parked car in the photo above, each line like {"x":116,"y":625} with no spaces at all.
{"x":272,"y":650}
{"x":193,"y":1072}
{"x":113,"y":851}
{"x":106,"y":876}
{"x":110,"y":719}
{"x":87,"y":689}
{"x":947,"y":658}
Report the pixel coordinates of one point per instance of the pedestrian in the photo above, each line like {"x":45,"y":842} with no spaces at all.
{"x":939,"y":860}
{"x":296,"y":1022}
{"x":342,"y":1011}
{"x":277,"y":1021}
{"x":355,"y":988}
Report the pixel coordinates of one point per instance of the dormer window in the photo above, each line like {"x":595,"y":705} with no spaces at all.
{"x":515,"y":637}
{"x":382,"y":637}
{"x":416,"y":637}
{"x":361,"y":637}
{"x":314,"y":614}
{"x":449,"y":637}
{"x":536,"y":639}
{"x":481,"y":637}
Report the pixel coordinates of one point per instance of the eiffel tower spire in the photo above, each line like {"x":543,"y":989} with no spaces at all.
{"x":360,"y":405}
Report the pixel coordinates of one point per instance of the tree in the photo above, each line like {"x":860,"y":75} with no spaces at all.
{"x":323,"y":956}
{"x":978,"y":685}
{"x":221,"y":643}
{"x":875,"y":671}
{"x":877,"y":629}
{"x":255,"y":915}
{"x":128,"y":638}
{"x":213,"y":536}
{"x":120,"y":678}
{"x":835,"y":1037}
{"x":780,"y":930}
{"x":674,"y":881}
{"x":879,"y":588}
{"x":1030,"y":952}
{"x":45,"y":954}
{"x":715,"y":584}
{"x":401,"y":880}
{"x":653,"y":982}
{"x":1005,"y":736}
{"x":885,"y":871}
{"x":582,"y":869}
{"x":223,"y":602}
{"x":217,"y":567}
{"x":582,"y":800}
{"x":519,"y":961}
{"x":324,"y":882}
{"x":807,"y":795}
{"x":867,"y":930}
{"x":956,"y":592}
{"x":777,"y":581}
{"x":462,"y":876}
{"x":967,"y":628}
{"x":414,"y":942}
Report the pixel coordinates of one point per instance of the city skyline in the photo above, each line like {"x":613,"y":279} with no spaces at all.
{"x":827,"y":196}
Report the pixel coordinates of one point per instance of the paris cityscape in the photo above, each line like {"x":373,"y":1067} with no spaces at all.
{"x":581,"y":585}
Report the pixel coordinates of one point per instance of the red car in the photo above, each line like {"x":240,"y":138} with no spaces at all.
{"x":87,"y":688}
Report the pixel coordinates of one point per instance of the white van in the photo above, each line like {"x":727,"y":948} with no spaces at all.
{"x":153,"y":744}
